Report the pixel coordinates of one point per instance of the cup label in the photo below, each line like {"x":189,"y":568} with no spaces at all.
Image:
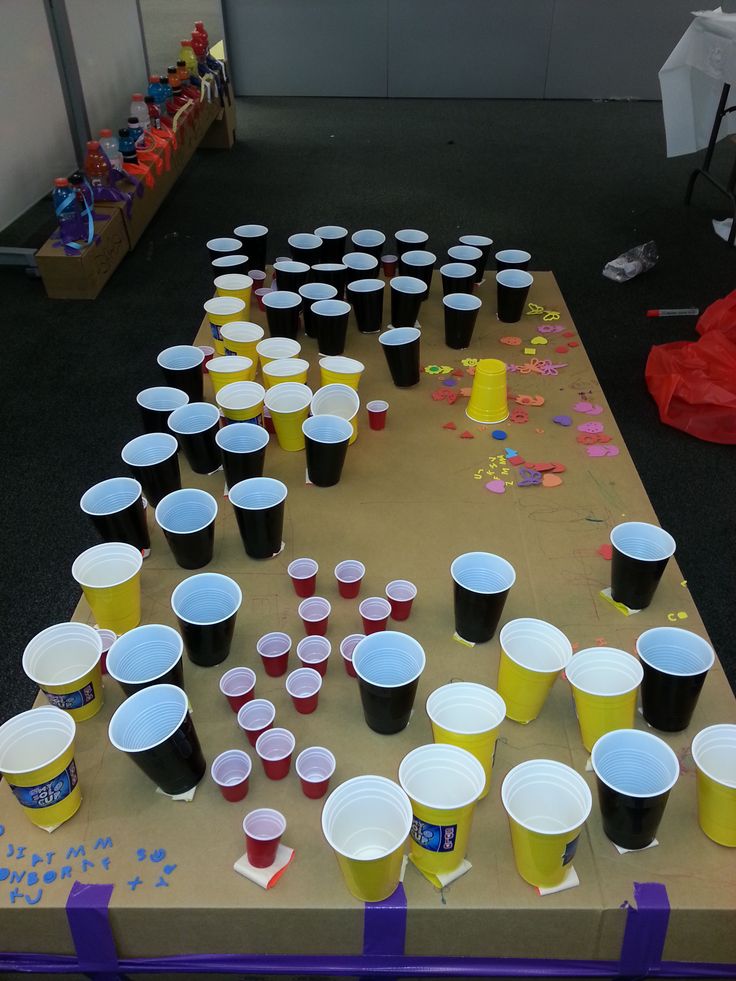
{"x":215,"y":331}
{"x":228,"y":351}
{"x":570,"y":848}
{"x":72,"y":699}
{"x":51,"y":792}
{"x":255,"y":421}
{"x":433,"y":837}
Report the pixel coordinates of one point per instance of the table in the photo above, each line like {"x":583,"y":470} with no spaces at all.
{"x":411,"y":499}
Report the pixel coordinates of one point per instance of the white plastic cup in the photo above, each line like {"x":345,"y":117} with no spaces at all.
{"x":513,"y":257}
{"x":337,"y":400}
{"x":149,"y":449}
{"x":242,"y":332}
{"x":228,"y":262}
{"x":186,"y":511}
{"x":676,"y":663}
{"x":147,"y":655}
{"x":64,"y":661}
{"x":360,"y":262}
{"x":410,"y":238}
{"x":180,"y":356}
{"x":195,"y":417}
{"x":233,"y":281}
{"x":162,"y":398}
{"x":239,"y":398}
{"x":369,"y":240}
{"x":230,"y":364}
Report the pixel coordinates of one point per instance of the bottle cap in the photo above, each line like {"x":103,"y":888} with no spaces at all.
{"x":133,"y":120}
{"x":124,"y":131}
{"x":61,"y":181}
{"x":181,"y":64}
{"x":137,"y":96}
{"x":149,"y":100}
{"x":171,"y":68}
{"x":104,"y":133}
{"x":93,"y":145}
{"x":76,"y":178}
{"x":153,"y":79}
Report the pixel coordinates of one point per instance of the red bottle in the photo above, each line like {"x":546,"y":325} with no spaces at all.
{"x":96,"y":166}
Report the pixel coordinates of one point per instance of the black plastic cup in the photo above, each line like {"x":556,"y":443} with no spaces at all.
{"x":333,"y":239}
{"x":640,"y":555}
{"x":156,"y":405}
{"x":481,"y":583}
{"x":420,"y":264}
{"x":187,"y":519}
{"x":259,"y":511}
{"x":255,"y":240}
{"x":195,"y":427}
{"x":457,"y":277}
{"x":206,"y":608}
{"x":483,"y":244}
{"x":290,"y":275}
{"x":145,"y":656}
{"x":153,"y":460}
{"x":675,"y":664}
{"x":461,"y":313}
{"x":305,"y":247}
{"x":366,"y":297}
{"x":243,"y":450}
{"x":360,"y":265}
{"x":410,"y":238}
{"x":115,"y":508}
{"x":512,"y":259}
{"x":282,"y":313}
{"x":223,"y":246}
{"x":401,"y":347}
{"x":182,"y":368}
{"x":635,"y":772}
{"x":326,"y":441}
{"x":370,"y":241}
{"x":154,"y":728}
{"x":330,"y":317}
{"x":512,"y":289}
{"x":333,"y":273}
{"x":310,"y":294}
{"x":407,"y":293}
{"x":388,"y":665}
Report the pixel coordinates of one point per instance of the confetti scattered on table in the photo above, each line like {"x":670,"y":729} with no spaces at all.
{"x":516,"y":461}
{"x":498,"y":434}
{"x":538,"y":341}
{"x":677,"y":616}
{"x":465,"y":392}
{"x":536,"y":366}
{"x":535,"y":310}
{"x":519,"y":416}
{"x":562,"y":349}
{"x":449,"y":382}
{"x":583,"y":406}
{"x":466,"y":435}
{"x":511,"y":341}
{"x":529,"y":350}
{"x":551,"y":480}
{"x":496,"y":486}
{"x":551,"y":329}
{"x":528,"y":478}
{"x":569,"y":333}
{"x":590,"y":427}
{"x":562,"y":420}
{"x":449,"y":425}
{"x":469,"y":362}
{"x":529,"y":399}
{"x":457,"y":373}
{"x":572,"y":344}
{"x":606,"y":551}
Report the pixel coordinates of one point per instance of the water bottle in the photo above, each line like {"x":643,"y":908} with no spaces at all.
{"x":153,"y":112}
{"x":126,"y":144}
{"x":110,"y":147}
{"x":138,"y":109}
{"x":135,"y":129}
{"x":65,"y":203}
{"x":632,"y":263}
{"x":96,"y":166}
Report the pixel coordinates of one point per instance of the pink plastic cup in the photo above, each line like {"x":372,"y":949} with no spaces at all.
{"x":238,"y":685}
{"x":230,"y":771}
{"x":274,"y":649}
{"x":375,"y":611}
{"x":275,"y":748}
{"x":388,"y":264}
{"x":347,"y":646}
{"x":260,"y":293}
{"x":263,"y":830}
{"x":255,"y":717}
{"x":108,"y":638}
{"x":303,"y":685}
{"x":349,"y":575}
{"x":377,"y":410}
{"x":303,"y":574}
{"x":314,"y":652}
{"x":315,"y":614}
{"x":400,"y":594}
{"x":314,"y":767}
{"x":209,"y":353}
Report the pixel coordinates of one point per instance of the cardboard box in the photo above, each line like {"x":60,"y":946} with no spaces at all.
{"x":221,"y":133}
{"x":82,"y":277}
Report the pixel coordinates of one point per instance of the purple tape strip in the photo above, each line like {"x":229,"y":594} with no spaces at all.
{"x":645,"y":931}
{"x":86,"y":913}
{"x":384,"y":925}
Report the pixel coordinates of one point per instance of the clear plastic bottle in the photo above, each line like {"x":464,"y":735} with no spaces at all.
{"x":632,"y":263}
{"x":138,"y":108}
{"x":110,"y":146}
{"x":96,"y":166}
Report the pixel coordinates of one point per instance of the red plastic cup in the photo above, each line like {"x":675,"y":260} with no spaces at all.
{"x":268,"y":421}
{"x":303,"y":574}
{"x":263,"y":830}
{"x":238,"y":685}
{"x":230,"y":771}
{"x":349,"y":575}
{"x":255,"y":717}
{"x":259,"y":278}
{"x":347,"y":646}
{"x":314,"y":652}
{"x":315,"y":766}
{"x":108,"y":638}
{"x":209,"y":353}
{"x":388,"y":264}
{"x":315,"y":613}
{"x":377,"y":410}
{"x":375,"y":611}
{"x":260,"y":293}
{"x":274,"y":649}
{"x":275,"y":748}
{"x":303,"y":685}
{"x":400,"y":594}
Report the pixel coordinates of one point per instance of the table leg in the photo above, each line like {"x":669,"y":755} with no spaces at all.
{"x":720,"y":113}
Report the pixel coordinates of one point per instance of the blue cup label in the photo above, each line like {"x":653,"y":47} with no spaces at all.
{"x":434,"y":837}
{"x":72,"y":699}
{"x":229,"y":352}
{"x":570,"y":848}
{"x":255,"y":421}
{"x":51,"y":792}
{"x":215,"y":331}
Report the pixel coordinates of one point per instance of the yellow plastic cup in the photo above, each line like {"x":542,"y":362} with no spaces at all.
{"x":64,"y":661}
{"x":285,"y":370}
{"x":37,"y":761}
{"x":488,"y":402}
{"x":226,"y":369}
{"x":241,"y":337}
{"x":223,"y":310}
{"x":110,"y":577}
{"x":533,"y":652}
{"x":547,"y":804}
{"x":241,"y":401}
{"x":271,"y":348}
{"x":288,"y":404}
{"x":338,"y":400}
{"x":237,"y":285}
{"x":339,"y":370}
{"x":714,"y":752}
{"x":468,"y":715}
{"x":443,"y":783}
{"x":366,"y":821}
{"x":605,"y":683}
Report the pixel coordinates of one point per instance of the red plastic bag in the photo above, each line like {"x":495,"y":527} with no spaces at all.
{"x":694,"y":383}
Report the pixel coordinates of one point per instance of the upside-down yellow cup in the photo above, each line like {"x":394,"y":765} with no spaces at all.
{"x":241,"y":401}
{"x":336,"y":369}
{"x":226,"y":369}
{"x":338,"y":400}
{"x":488,"y":403}
{"x":241,"y":337}
{"x":223,"y":310}
{"x":236,"y":285}
{"x":64,"y":661}
{"x":37,"y":761}
{"x":605,"y":683}
{"x":282,"y":370}
{"x":714,"y":752}
{"x":288,"y":404}
{"x":110,"y":577}
{"x":533,"y":653}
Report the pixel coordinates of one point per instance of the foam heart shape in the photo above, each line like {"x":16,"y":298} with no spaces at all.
{"x":595,"y":410}
{"x":496,"y":486}
{"x":611,"y":450}
{"x":596,"y":450}
{"x":606,"y":551}
{"x":562,"y":420}
{"x":590,"y":427}
{"x":583,"y":406}
{"x":551,"y":480}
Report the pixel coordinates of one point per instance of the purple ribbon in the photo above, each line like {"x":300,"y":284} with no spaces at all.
{"x":89,"y":925}
{"x":384,"y":925}
{"x":645,"y":931}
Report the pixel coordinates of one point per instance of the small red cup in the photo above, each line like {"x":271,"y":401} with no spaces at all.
{"x":255,"y":717}
{"x":274,"y":649}
{"x":230,"y":771}
{"x":303,"y":574}
{"x":375,"y":611}
{"x":268,"y":421}
{"x":315,"y":614}
{"x":377,"y":413}
{"x":108,"y":638}
{"x":238,"y":685}
{"x":303,"y":685}
{"x":315,"y":766}
{"x":349,"y":575}
{"x":259,"y":278}
{"x":347,"y":646}
{"x":260,"y":293}
{"x":275,"y":748}
{"x":263,"y":830}
{"x":209,"y":353}
{"x":388,"y":264}
{"x":400,"y":594}
{"x":314,"y":652}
